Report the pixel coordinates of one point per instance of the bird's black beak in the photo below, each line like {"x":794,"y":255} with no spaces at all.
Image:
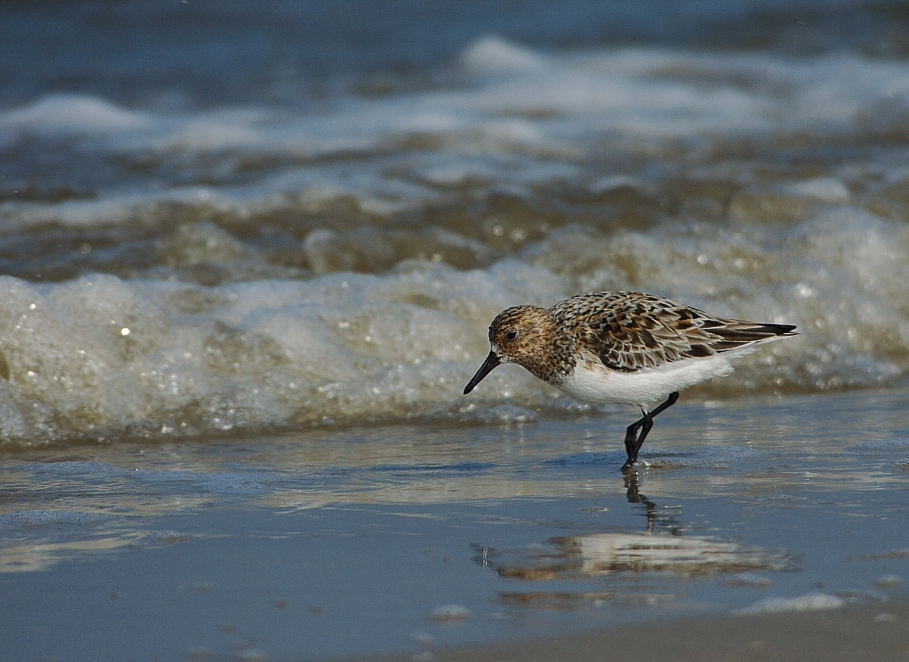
{"x":491,"y":362}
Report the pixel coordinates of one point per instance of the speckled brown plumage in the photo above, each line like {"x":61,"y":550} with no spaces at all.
{"x":626,"y":331}
{"x":630,"y":331}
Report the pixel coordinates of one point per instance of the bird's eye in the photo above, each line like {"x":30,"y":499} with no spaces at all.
{"x":511,"y":334}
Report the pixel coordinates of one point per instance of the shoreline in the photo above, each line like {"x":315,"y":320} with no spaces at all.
{"x":878,"y":631}
{"x":441,"y":544}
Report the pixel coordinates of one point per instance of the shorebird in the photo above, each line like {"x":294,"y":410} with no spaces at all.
{"x":622,"y":347}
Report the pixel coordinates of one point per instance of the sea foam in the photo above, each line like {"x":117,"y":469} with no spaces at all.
{"x":187,"y":270}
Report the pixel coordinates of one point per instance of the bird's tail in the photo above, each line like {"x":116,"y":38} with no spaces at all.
{"x":735,"y":334}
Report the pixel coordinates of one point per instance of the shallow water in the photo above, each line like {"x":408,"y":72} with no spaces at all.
{"x":428,"y":535}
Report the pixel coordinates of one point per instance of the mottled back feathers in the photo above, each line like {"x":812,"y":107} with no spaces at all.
{"x":630,"y":331}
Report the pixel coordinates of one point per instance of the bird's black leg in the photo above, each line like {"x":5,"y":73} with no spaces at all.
{"x":634,"y":440}
{"x":666,"y":405}
{"x":632,"y":444}
{"x":631,"y":435}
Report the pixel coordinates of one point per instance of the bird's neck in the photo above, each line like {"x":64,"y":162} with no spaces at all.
{"x":555,"y":355}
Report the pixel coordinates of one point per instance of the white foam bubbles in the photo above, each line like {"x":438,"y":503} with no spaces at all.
{"x":494,"y":54}
{"x":270,"y":353}
{"x":73,"y":114}
{"x":100,"y":355}
{"x":807,"y":602}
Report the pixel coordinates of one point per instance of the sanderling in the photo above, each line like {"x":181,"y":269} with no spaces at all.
{"x":622,"y":347}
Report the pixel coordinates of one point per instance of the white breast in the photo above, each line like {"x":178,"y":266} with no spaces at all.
{"x":592,"y":382}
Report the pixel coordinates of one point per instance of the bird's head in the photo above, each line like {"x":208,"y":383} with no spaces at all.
{"x":516,"y":335}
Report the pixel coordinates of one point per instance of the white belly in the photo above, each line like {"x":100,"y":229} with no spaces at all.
{"x":592,"y":382}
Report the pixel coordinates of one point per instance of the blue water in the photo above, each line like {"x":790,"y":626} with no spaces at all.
{"x":226,"y":52}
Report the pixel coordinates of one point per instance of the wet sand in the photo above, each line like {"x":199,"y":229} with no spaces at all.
{"x":416,"y":540}
{"x":879,"y":633}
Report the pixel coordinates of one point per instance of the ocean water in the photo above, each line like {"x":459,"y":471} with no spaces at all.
{"x":247,"y":231}
{"x":249,"y":253}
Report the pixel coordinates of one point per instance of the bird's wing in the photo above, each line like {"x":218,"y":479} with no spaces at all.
{"x":630,"y":331}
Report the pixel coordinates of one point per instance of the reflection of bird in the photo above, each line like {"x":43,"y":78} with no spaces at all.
{"x":600,"y":553}
{"x":634,"y":496}
{"x":622,"y":347}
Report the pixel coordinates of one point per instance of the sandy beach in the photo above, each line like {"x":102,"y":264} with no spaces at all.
{"x":842,"y":635}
